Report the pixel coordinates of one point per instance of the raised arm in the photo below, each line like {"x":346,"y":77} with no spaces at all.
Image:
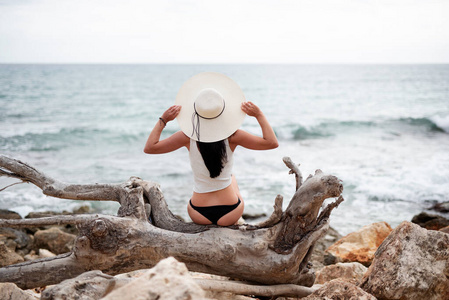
{"x":173,"y":142}
{"x":250,"y":141}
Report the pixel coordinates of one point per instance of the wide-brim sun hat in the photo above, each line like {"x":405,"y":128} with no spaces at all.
{"x":210,"y":107}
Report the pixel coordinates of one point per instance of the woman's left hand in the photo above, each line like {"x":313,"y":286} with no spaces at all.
{"x":171,"y":113}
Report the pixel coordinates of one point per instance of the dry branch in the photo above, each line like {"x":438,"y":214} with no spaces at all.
{"x":276,"y":216}
{"x":48,"y":221}
{"x":294,"y":169}
{"x":238,"y":288}
{"x":276,"y":251}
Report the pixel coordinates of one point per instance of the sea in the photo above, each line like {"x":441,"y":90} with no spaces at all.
{"x":383,"y":130}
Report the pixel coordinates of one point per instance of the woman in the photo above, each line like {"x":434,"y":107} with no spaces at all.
{"x":210,"y":109}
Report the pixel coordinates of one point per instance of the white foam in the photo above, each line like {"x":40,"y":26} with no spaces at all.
{"x":442,"y":121}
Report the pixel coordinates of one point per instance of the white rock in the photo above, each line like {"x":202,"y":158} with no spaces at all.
{"x":169,"y":279}
{"x":412,"y":263}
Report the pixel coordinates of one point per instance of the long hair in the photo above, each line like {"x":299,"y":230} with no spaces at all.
{"x":214,"y":156}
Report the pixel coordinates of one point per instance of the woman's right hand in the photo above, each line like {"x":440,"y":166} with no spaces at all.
{"x":250,"y":141}
{"x":171,"y":113}
{"x":251,"y":109}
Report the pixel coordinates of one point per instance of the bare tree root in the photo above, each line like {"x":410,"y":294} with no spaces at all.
{"x":276,"y":251}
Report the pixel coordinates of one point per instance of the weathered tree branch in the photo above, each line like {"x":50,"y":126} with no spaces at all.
{"x":301,"y":214}
{"x":294,"y":169}
{"x":276,"y":251}
{"x":276,"y":216}
{"x":95,"y":192}
{"x":238,"y":288}
{"x":15,"y":183}
{"x":49,"y":221}
{"x":101,"y":284}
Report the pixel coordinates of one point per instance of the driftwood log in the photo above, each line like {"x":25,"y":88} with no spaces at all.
{"x":275,"y":251}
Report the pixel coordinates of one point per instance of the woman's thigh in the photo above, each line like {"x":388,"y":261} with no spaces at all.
{"x":197,"y":217}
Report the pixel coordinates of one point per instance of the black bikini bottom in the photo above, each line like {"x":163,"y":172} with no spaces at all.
{"x":215,"y":212}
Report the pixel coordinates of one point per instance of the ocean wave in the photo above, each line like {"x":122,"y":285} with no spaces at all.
{"x":302,"y":132}
{"x":327,"y":129}
{"x":441,"y":121}
{"x":424,"y":123}
{"x":324,"y":129}
{"x":65,"y":138}
{"x":45,"y":141}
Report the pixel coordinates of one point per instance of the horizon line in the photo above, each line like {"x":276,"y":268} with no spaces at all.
{"x":224,"y":63}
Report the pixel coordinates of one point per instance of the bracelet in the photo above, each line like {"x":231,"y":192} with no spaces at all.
{"x":165,"y":123}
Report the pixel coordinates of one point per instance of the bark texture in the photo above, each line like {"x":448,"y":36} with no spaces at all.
{"x":276,"y":251}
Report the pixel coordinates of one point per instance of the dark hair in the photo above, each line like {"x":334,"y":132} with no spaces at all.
{"x":214,"y":156}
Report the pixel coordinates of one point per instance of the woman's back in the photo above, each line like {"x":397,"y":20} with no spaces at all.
{"x":207,"y":177}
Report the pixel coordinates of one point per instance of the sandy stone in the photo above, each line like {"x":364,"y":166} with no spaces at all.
{"x":11,"y":291}
{"x":8,"y":214}
{"x":169,"y":279}
{"x":87,"y":286}
{"x":321,"y":245}
{"x":19,"y":238}
{"x":430,"y":221}
{"x":32,"y":255}
{"x":445,"y":229}
{"x":359,"y":246}
{"x":412,"y":263}
{"x":351,"y":272}
{"x":339,"y":289}
{"x":442,"y":207}
{"x":44,"y":253}
{"x":54,"y":240}
{"x":7,"y":256}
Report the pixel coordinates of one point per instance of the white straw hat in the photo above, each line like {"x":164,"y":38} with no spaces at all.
{"x":211,"y":107}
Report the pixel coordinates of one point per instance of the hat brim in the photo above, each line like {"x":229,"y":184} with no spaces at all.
{"x":210,"y":130}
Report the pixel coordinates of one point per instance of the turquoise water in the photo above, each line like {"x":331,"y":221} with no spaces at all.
{"x":382,"y":129}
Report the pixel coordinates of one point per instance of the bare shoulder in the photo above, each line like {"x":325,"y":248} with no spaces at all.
{"x":237,"y":138}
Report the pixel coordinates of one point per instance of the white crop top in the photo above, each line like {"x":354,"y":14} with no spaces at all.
{"x":203,"y":183}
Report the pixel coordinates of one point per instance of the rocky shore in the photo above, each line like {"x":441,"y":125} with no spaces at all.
{"x":377,"y":261}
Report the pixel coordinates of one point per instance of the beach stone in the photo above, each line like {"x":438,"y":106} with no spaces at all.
{"x":445,"y":229}
{"x":430,"y":221}
{"x":68,"y":228}
{"x":87,"y":286}
{"x":54,"y":240}
{"x":8,"y":256}
{"x":318,"y":254}
{"x":358,"y":246}
{"x":13,"y":292}
{"x":44,"y":253}
{"x":442,"y":207}
{"x":84,"y":209}
{"x":30,"y":256}
{"x":339,"y":289}
{"x":8,"y":214}
{"x":351,"y":272}
{"x":20,"y":238}
{"x":43,"y":214}
{"x":247,"y":216}
{"x":169,"y":279}
{"x":412,"y":263}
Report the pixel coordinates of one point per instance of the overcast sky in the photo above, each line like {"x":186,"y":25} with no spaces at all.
{"x":228,"y":31}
